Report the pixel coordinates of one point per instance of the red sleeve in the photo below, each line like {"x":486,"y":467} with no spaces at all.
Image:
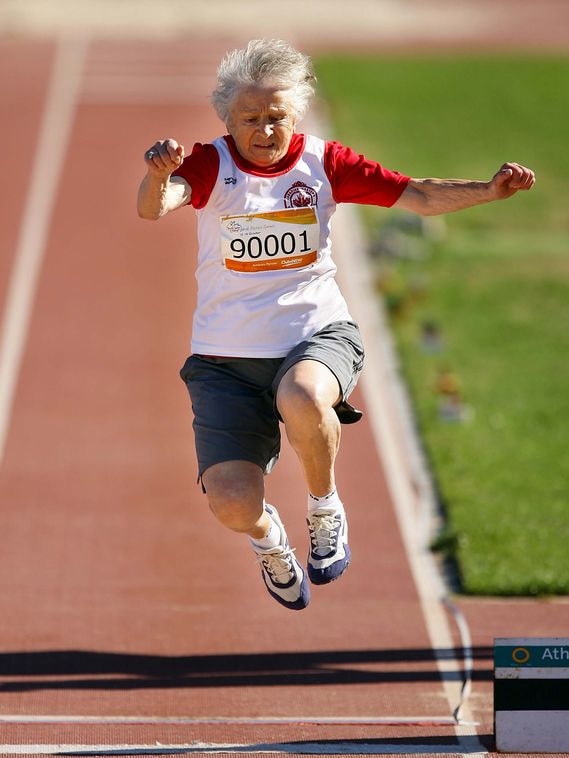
{"x":200,"y":170}
{"x":356,"y":179}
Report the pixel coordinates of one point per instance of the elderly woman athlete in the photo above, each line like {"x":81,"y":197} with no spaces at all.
{"x":273,"y":339}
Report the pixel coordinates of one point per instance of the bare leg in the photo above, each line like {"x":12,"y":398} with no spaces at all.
{"x":306,"y":398}
{"x":235,"y":492}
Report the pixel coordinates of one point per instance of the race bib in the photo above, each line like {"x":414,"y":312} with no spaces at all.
{"x":270,"y":241}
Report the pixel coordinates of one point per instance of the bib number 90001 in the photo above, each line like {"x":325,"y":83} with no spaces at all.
{"x":270,"y":241}
{"x":271,"y":245}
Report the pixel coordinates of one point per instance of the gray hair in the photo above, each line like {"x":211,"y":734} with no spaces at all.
{"x":269,"y":62}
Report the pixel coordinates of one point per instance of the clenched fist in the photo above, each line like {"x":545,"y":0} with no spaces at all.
{"x":510,"y":179}
{"x":164,"y":157}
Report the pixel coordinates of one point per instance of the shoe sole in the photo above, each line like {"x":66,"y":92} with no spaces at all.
{"x":296,"y":605}
{"x":318,"y":576}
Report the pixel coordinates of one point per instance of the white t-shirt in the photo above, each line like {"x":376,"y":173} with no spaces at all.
{"x":265,"y":272}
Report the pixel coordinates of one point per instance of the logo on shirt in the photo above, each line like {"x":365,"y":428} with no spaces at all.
{"x":300,"y":196}
{"x":229,"y":180}
{"x":234,"y":227}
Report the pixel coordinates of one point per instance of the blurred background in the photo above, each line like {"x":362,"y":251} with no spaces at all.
{"x":374,"y":23}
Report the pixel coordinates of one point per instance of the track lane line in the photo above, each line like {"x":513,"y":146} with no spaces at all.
{"x":51,"y":149}
{"x":232,"y":720}
{"x":300,"y":747}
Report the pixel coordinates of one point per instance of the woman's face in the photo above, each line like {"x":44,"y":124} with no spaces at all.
{"x":261,"y":122}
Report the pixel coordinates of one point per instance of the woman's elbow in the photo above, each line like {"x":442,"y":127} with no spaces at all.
{"x":148,"y":214}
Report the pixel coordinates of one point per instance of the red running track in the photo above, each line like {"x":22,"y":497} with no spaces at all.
{"x":130,"y":624}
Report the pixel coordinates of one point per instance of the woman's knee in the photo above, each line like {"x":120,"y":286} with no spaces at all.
{"x":308,"y":389}
{"x":235,"y":493}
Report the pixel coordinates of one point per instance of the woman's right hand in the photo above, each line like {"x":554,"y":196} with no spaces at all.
{"x":164,"y":157}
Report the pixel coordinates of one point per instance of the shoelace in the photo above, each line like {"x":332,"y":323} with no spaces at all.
{"x":323,"y":530}
{"x":279,"y":565}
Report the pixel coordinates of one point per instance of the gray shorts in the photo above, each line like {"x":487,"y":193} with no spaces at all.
{"x":233,"y":399}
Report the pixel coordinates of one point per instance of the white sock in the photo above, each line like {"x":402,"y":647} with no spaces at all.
{"x":271,"y":539}
{"x":331,"y":501}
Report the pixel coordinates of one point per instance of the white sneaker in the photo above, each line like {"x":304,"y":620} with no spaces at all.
{"x":282,"y":573}
{"x":329,"y":554}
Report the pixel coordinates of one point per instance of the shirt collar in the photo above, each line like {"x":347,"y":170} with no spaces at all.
{"x":295,"y":150}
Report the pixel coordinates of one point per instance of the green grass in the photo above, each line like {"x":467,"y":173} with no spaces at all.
{"x":497,"y":285}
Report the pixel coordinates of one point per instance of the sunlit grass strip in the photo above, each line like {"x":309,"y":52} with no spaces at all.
{"x":496,"y":286}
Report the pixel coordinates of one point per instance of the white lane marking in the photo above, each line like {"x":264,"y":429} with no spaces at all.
{"x":355,"y":747}
{"x":55,"y":131}
{"x":229,"y":720}
{"x":468,"y":658}
{"x":383,"y":392}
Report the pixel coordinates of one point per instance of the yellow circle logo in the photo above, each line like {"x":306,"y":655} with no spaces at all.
{"x":520,"y":655}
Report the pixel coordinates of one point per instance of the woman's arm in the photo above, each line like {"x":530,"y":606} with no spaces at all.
{"x":430,"y":197}
{"x":159,"y":193}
